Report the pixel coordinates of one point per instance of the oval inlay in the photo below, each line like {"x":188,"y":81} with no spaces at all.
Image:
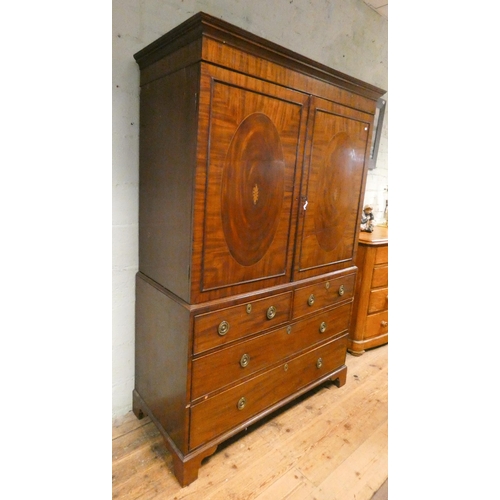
{"x":334,"y":191}
{"x":253,"y":183}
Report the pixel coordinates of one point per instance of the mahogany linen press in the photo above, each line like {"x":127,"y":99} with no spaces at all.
{"x":252,"y":174}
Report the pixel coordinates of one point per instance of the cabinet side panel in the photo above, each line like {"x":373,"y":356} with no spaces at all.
{"x":167,"y":163}
{"x":161,"y":358}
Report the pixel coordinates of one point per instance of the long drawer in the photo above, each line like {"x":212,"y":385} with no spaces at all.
{"x":378,"y":300}
{"x":228,"y":365}
{"x":380,"y":276}
{"x":222,"y":412}
{"x":377,"y":324}
{"x":382,"y":255}
{"x":312,"y":298}
{"x":217,"y":328}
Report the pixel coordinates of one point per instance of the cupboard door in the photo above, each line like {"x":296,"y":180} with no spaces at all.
{"x":332,"y":189}
{"x":254,"y":136}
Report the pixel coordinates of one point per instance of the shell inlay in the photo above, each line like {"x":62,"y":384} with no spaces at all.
{"x":255,"y":194}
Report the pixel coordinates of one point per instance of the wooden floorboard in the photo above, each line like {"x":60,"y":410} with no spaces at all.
{"x":330,"y":444}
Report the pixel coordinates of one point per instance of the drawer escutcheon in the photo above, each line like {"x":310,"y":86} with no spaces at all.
{"x":271,"y":312}
{"x":241,"y":403}
{"x":341,"y":290}
{"x":223,"y":328}
{"x":245,"y":359}
{"x":311,"y":299}
{"x":322,"y":327}
{"x":319,"y":363}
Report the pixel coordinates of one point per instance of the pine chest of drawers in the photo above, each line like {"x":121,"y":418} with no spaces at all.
{"x":370,"y":321}
{"x":252,"y":172}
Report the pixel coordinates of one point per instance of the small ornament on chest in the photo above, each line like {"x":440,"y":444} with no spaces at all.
{"x":367,"y":218}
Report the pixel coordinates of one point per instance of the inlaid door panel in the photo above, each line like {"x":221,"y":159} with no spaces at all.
{"x":332,"y":188}
{"x":255,"y":133}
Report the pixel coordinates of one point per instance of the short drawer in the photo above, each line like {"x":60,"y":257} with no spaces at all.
{"x":230,"y":364}
{"x":377,"y":324}
{"x":222,"y":412}
{"x":380,"y":276}
{"x":220,"y":327}
{"x":379,"y":300}
{"x":382,"y":255}
{"x":312,"y":298}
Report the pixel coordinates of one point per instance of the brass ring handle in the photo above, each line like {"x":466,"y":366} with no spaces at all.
{"x":319,"y":363}
{"x":383,"y":323}
{"x":271,"y":312}
{"x":341,"y":290}
{"x":311,"y":299}
{"x":223,"y":328}
{"x":249,"y":308}
{"x":245,"y":359}
{"x":241,"y":403}
{"x":322,"y":327}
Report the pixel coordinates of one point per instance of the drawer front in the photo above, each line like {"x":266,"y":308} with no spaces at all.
{"x":220,"y":327}
{"x":228,"y":365}
{"x":218,"y":414}
{"x":382,"y":255}
{"x":380,"y":276}
{"x":377,"y":324}
{"x":315,"y":297}
{"x":379,"y":300}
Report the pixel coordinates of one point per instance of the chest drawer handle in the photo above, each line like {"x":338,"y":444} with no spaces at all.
{"x":383,"y":323}
{"x":271,"y":312}
{"x":319,"y":363}
{"x":223,"y":328}
{"x":341,"y":290}
{"x":241,"y":403}
{"x":249,"y":308}
{"x":311,"y":299}
{"x":322,"y":327}
{"x":245,"y":359}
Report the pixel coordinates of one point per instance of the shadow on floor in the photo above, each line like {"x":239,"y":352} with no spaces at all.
{"x":382,"y":492}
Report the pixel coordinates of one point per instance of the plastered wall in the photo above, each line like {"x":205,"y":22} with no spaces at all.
{"x":344,"y":34}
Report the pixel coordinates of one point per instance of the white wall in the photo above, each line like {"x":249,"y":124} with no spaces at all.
{"x":344,"y":34}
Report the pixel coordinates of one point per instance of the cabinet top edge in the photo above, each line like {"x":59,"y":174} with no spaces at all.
{"x":379,"y":236}
{"x":204,"y":25}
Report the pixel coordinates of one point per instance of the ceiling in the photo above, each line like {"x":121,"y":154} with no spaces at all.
{"x":380,"y":6}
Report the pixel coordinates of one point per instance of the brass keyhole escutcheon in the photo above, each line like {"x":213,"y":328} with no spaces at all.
{"x":319,"y":363}
{"x":271,"y":312}
{"x":310,"y":300}
{"x":245,"y":359}
{"x":322,"y":327}
{"x":289,"y":330}
{"x":327,"y":285}
{"x":223,"y":328}
{"x":285,"y":367}
{"x":249,"y":308}
{"x":241,"y":403}
{"x":341,"y":290}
